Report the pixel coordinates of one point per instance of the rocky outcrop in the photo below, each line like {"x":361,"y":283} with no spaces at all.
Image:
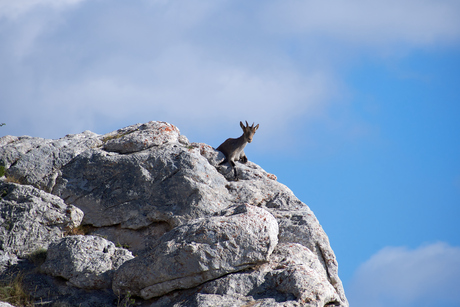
{"x":201,"y":250}
{"x":31,"y":219}
{"x":87,"y":262}
{"x":201,"y":239}
{"x":37,"y":161}
{"x":293,"y":275}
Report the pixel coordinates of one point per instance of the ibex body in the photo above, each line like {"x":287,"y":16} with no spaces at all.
{"x":233,"y":149}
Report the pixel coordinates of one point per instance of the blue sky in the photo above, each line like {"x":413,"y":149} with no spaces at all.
{"x":358,"y":104}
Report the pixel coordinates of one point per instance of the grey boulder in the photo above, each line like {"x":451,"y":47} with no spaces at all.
{"x":142,"y":136}
{"x":36,"y":161}
{"x":167,"y":184}
{"x":30,"y":219}
{"x":294,"y":276}
{"x":297,"y":223}
{"x":87,"y":262}
{"x":201,"y":250}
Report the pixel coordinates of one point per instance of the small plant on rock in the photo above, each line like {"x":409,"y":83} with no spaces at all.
{"x":126,"y":301}
{"x":12,"y":179}
{"x":116,"y":136}
{"x":79,"y":230}
{"x":125,"y":246}
{"x":3,"y":193}
{"x":12,"y":291}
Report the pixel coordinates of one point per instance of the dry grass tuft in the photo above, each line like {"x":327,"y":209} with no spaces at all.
{"x":12,"y":292}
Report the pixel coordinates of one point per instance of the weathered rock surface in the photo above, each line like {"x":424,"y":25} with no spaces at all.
{"x":199,"y":251}
{"x":7,"y":259}
{"x":87,"y":262}
{"x":142,"y":136}
{"x":294,"y":276}
{"x":148,"y":188}
{"x":37,"y":161}
{"x":170,"y":184}
{"x":30,"y":219}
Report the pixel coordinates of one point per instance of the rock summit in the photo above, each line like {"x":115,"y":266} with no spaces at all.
{"x":143,"y":217}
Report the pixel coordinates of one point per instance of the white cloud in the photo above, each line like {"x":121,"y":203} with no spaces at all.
{"x":194,"y":63}
{"x":397,"y":276}
{"x":153,"y":63}
{"x":186,"y":89}
{"x":364,"y":22}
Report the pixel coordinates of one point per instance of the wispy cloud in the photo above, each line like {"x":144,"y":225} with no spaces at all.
{"x":14,"y":9}
{"x":398,"y":276}
{"x":364,"y":22}
{"x":74,"y":64}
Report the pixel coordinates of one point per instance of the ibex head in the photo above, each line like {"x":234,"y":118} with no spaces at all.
{"x":248,"y":131}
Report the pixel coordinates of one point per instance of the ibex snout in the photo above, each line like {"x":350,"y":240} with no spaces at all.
{"x":248,"y":131}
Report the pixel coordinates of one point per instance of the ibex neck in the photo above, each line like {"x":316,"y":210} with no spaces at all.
{"x":241,"y":141}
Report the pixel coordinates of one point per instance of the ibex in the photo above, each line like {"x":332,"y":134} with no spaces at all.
{"x":233,"y":149}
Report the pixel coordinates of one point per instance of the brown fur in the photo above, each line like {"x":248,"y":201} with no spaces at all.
{"x":233,"y":149}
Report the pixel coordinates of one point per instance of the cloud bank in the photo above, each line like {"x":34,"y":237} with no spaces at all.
{"x":363,"y":22}
{"x":74,"y":65}
{"x":397,"y":276}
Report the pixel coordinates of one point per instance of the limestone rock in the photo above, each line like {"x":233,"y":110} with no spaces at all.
{"x":146,"y":186}
{"x":37,"y":161}
{"x":294,"y":275}
{"x":170,"y":184}
{"x":136,"y":240}
{"x":4,"y":140}
{"x":7,"y":259}
{"x":87,"y":262}
{"x":30,"y":219}
{"x":246,"y":171}
{"x":200,"y":250}
{"x":300,"y":272}
{"x":212,"y":300}
{"x":142,"y":136}
{"x":297,"y":223}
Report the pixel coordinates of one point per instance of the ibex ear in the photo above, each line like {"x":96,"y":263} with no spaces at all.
{"x":241,"y":125}
{"x":256,"y":127}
